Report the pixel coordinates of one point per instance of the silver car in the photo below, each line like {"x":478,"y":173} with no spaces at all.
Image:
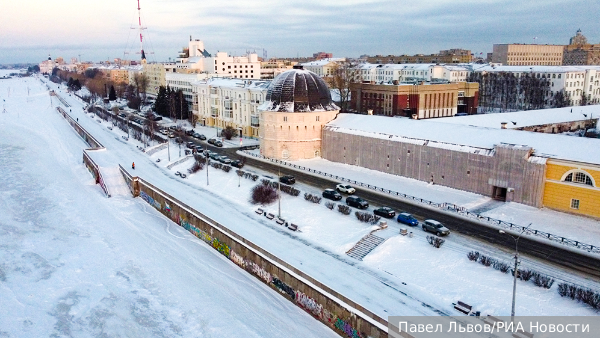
{"x":435,"y":227}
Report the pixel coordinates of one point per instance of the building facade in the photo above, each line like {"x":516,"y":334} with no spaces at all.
{"x":416,"y":101}
{"x":221,"y":102}
{"x":528,"y":55}
{"x":580,"y":52}
{"x":445,"y":56}
{"x":297,"y":106}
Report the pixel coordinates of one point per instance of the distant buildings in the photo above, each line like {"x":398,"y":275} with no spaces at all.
{"x":580,"y":52}
{"x":528,"y":55}
{"x":420,"y":101}
{"x":444,"y":56}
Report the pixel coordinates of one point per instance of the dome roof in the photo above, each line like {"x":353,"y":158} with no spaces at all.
{"x":298,"y":90}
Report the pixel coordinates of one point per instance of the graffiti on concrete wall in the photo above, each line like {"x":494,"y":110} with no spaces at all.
{"x":309,"y":304}
{"x":252,"y":267}
{"x":221,"y":247}
{"x":150,"y":200}
{"x":347,"y":328}
{"x":284,"y":288}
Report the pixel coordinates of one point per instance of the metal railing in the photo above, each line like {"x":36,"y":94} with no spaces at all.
{"x":443,"y":206}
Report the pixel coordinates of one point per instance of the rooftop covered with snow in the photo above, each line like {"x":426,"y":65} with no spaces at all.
{"x":461,"y":137}
{"x":520,"y":119}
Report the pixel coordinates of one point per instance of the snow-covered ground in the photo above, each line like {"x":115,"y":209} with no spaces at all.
{"x":74,"y":263}
{"x":403,"y":276}
{"x":574,"y":227}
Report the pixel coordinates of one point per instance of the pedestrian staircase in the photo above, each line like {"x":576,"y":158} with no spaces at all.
{"x":114,"y":181}
{"x":365,"y":246}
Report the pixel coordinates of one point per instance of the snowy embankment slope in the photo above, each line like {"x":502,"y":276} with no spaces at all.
{"x":75,"y":263}
{"x":319,"y":250}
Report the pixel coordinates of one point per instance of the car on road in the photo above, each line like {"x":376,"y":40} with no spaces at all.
{"x":224,"y":160}
{"x":357,"y":202}
{"x":408,"y":219}
{"x":237,"y":164}
{"x":436,"y":227}
{"x":218,"y":143}
{"x":386,"y":212}
{"x":345,"y":188}
{"x":332,"y":194}
{"x":287,"y":179}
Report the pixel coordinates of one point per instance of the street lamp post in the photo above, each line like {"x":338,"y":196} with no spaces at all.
{"x":206,"y":155}
{"x":514,"y":296}
{"x":279,"y":188}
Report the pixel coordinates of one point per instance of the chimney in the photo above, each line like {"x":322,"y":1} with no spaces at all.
{"x":502,"y":125}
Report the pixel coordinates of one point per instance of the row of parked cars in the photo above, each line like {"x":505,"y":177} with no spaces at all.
{"x":386,"y":212}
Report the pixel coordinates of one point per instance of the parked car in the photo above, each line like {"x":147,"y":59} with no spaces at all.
{"x":196,"y":135}
{"x":212,"y":140}
{"x":122,"y":115}
{"x":435,"y":227}
{"x":237,"y":164}
{"x":224,"y":160}
{"x":218,"y":143}
{"x":202,"y":137}
{"x":287,"y":179}
{"x":386,"y":212}
{"x":332,"y":194}
{"x":156,"y":118}
{"x":356,"y":202}
{"x":199,"y":149}
{"x":171,"y":135}
{"x":214,"y":156}
{"x":408,"y":219}
{"x":345,"y":188}
{"x":190,"y":145}
{"x":190,"y":132}
{"x":173,"y":127}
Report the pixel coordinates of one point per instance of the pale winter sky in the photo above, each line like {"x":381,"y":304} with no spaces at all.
{"x":100,"y":30}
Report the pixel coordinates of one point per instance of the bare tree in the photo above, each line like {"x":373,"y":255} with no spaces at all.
{"x":344,"y":74}
{"x":140,"y":81}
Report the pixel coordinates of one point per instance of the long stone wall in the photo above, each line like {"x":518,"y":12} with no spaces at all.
{"x":460,"y":167}
{"x":342,"y":315}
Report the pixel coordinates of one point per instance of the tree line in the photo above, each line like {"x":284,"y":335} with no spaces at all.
{"x":504,"y":91}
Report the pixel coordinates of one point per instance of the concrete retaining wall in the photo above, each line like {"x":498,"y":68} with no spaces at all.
{"x":342,"y":315}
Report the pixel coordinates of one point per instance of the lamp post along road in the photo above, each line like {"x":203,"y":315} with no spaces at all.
{"x":516,"y":270}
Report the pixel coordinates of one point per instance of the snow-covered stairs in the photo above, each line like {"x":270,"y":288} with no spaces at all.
{"x":114,"y":181}
{"x":364,"y":246}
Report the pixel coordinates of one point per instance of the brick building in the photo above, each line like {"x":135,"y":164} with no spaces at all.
{"x":580,"y":52}
{"x":444,"y":56}
{"x":418,"y":101}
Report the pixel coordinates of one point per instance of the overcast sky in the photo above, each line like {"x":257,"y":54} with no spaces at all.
{"x":101,"y":30}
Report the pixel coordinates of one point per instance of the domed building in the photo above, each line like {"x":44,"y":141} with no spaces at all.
{"x":297,"y":106}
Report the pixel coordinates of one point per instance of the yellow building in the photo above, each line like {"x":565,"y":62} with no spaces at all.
{"x":528,"y":55}
{"x":572,"y":187}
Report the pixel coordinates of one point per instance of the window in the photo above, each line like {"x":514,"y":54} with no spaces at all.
{"x":285,"y":119}
{"x":579,"y":177}
{"x":574,"y":204}
{"x":317,"y":118}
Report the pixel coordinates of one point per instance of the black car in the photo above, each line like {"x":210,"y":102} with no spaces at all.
{"x":237,"y":164}
{"x":332,"y":194}
{"x":214,"y":156}
{"x":287,"y":179}
{"x":199,"y":149}
{"x":224,"y":159}
{"x":190,"y":145}
{"x":386,"y":212}
{"x":190,"y":132}
{"x":357,"y":202}
{"x":218,"y":143}
{"x":202,"y":137}
{"x":156,"y":118}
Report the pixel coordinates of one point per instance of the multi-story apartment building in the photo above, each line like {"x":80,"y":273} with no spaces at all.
{"x":157,"y":77}
{"x":421,"y":101}
{"x":183,"y":82}
{"x":528,"y":54}
{"x":580,"y":52}
{"x":444,"y":56}
{"x":324,"y":67}
{"x":222,"y":102}
{"x":397,"y":73}
{"x":575,"y":81}
{"x":271,"y":68}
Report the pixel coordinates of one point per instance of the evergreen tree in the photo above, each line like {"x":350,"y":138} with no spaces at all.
{"x":161,"y":105}
{"x":112,"y":94}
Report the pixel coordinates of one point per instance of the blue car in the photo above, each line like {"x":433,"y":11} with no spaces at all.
{"x":406,"y":218}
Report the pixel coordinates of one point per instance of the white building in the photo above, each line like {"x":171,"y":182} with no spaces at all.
{"x":419,"y":72}
{"x":222,"y":102}
{"x":323,"y":67}
{"x":574,"y":80}
{"x":183,"y":82}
